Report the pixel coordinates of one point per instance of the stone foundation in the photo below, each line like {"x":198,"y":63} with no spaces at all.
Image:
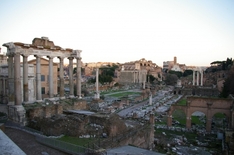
{"x":80,"y":105}
{"x":16,"y":113}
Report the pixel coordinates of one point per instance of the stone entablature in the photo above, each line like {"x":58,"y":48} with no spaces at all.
{"x":27,"y":49}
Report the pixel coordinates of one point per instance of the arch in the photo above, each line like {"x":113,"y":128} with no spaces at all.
{"x":170,"y":112}
{"x":178,"y":117}
{"x":198,"y":119}
{"x":220,"y":121}
{"x":208,"y":106}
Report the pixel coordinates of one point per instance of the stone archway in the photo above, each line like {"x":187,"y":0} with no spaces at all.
{"x":208,"y":106}
{"x":219,"y":121}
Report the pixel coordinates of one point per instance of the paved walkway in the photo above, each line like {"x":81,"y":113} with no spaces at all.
{"x":27,"y":142}
{"x":7,"y":146}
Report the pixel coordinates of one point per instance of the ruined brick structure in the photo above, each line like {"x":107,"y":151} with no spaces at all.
{"x":208,"y":106}
{"x":46,"y":111}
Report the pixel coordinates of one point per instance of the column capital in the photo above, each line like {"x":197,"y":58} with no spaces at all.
{"x":76,"y":53}
{"x":70,"y":58}
{"x":37,"y":56}
{"x":16,"y":54}
{"x":50,"y":57}
{"x":25,"y":55}
{"x":61,"y":57}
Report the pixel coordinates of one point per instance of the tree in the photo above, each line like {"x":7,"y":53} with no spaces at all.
{"x":179,"y":74}
{"x":228,"y":85}
{"x":159,"y":75}
{"x":171,"y":79}
{"x":224,"y":65}
{"x":75,"y":69}
{"x":151,"y":78}
{"x":187,"y":73}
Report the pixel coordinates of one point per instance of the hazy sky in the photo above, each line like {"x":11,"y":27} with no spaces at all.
{"x":198,"y":32}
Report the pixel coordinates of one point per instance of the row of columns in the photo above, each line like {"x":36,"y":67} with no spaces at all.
{"x":201,"y":79}
{"x":14,"y":78}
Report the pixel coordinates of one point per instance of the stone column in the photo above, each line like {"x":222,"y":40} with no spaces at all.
{"x":143,"y":78}
{"x":11,"y":90}
{"x":188,"y":122}
{"x":133,"y":77}
{"x":150,"y":98}
{"x":188,"y":116}
{"x":197,"y":78}
{"x":38,"y":78}
{"x":209,"y":117}
{"x":1,"y":86}
{"x":169,"y":120}
{"x":78,"y":77}
{"x":71,"y":83}
{"x":4,"y":86}
{"x":51,"y":79}
{"x":25,"y":77}
{"x":17,"y":111}
{"x":61,"y":76}
{"x":97,"y":96}
{"x":18,"y":91}
{"x":2,"y":90}
{"x":201,"y":77}
{"x":193,"y":77}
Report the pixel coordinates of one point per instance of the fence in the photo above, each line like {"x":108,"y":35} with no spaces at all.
{"x":70,"y":148}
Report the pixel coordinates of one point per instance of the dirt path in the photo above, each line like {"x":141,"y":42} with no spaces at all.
{"x":28,"y":143}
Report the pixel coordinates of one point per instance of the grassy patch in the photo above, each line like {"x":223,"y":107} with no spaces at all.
{"x":169,"y":133}
{"x":122,"y":94}
{"x":182,"y":102}
{"x":108,"y":92}
{"x":196,"y":120}
{"x":76,"y":140}
{"x":219,"y":115}
{"x":180,"y":116}
{"x":32,"y":106}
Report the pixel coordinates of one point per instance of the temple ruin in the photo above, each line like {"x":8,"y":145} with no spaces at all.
{"x":40,"y":47}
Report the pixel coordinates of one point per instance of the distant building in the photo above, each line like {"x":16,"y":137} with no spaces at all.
{"x":137,"y":71}
{"x":45,"y":76}
{"x":3,"y":59}
{"x":4,"y":89}
{"x":173,"y":65}
{"x":89,"y":68}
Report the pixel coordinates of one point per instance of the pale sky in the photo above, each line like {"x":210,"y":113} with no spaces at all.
{"x":197,"y":32}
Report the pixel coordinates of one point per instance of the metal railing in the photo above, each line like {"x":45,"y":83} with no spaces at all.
{"x":62,"y":146}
